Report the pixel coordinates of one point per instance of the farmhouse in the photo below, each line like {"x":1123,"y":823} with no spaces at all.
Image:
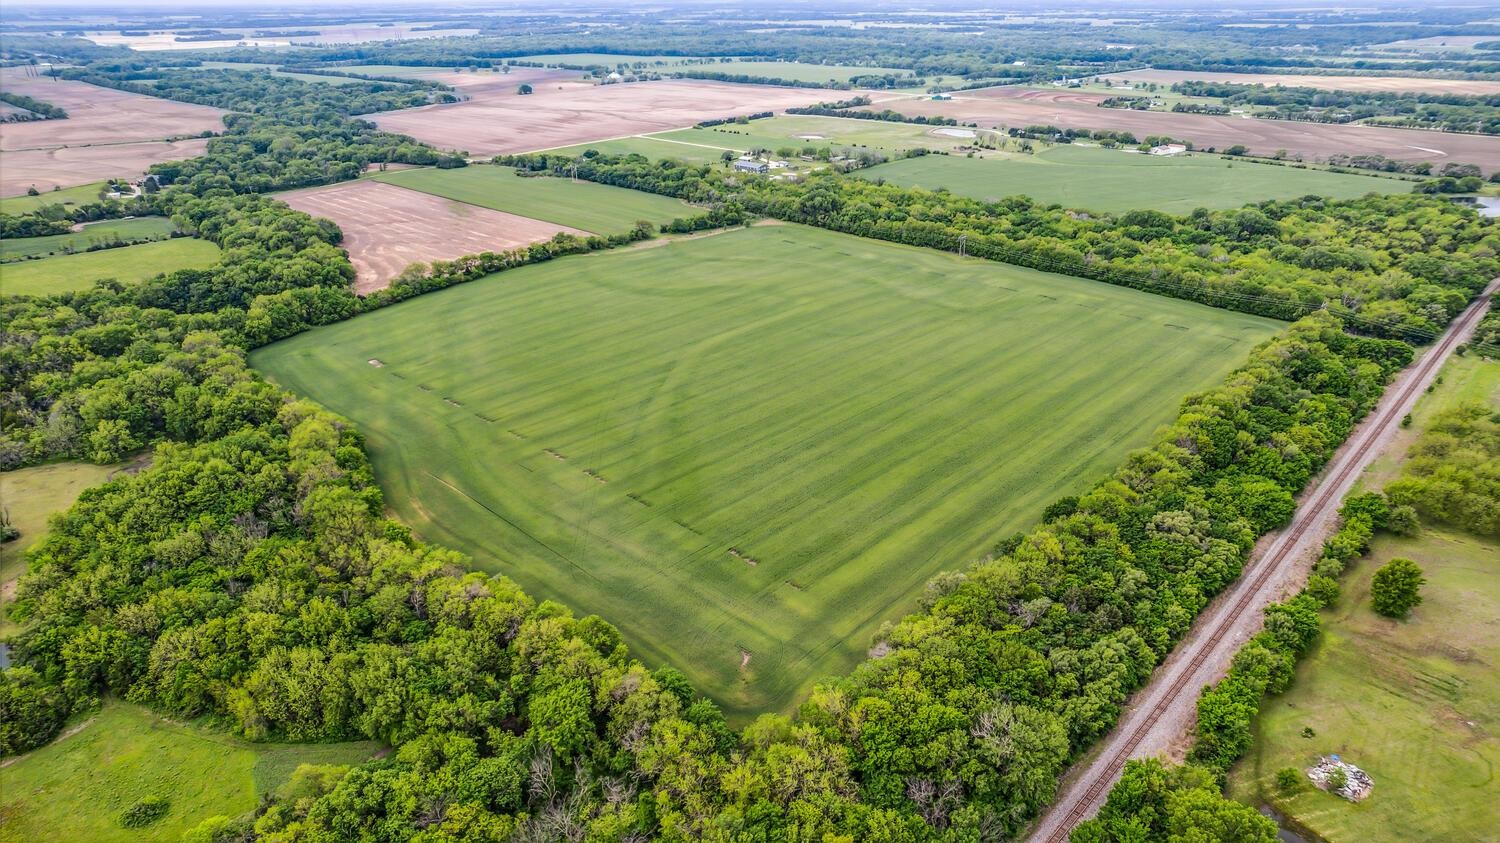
{"x":752,"y":166}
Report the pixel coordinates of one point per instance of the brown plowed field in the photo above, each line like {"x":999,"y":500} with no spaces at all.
{"x":388,"y":228}
{"x":100,"y":115}
{"x":74,"y":165}
{"x":107,"y":134}
{"x":497,"y":121}
{"x":1421,"y":84}
{"x":1007,"y":107}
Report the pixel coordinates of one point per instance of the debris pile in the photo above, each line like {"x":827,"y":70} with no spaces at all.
{"x":1357,"y":784}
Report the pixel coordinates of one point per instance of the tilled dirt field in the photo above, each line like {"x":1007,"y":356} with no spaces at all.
{"x":75,"y":165}
{"x":497,"y":120}
{"x":388,"y":228}
{"x":107,"y":134}
{"x":99,"y":115}
{"x":1014,"y":107}
{"x":1422,"y":84}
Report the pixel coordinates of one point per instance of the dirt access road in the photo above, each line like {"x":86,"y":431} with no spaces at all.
{"x":1159,"y":715}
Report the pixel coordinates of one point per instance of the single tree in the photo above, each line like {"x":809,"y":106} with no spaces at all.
{"x":524,"y":89}
{"x":1396,"y":588}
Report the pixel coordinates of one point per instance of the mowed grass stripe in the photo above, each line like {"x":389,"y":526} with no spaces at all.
{"x":854,"y":415}
{"x":599,"y":208}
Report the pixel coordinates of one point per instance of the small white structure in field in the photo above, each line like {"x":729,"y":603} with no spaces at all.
{"x":779,"y":165}
{"x":1169,"y":149}
{"x":1357,"y":783}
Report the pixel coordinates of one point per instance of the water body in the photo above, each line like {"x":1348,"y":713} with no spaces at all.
{"x":1284,"y":834}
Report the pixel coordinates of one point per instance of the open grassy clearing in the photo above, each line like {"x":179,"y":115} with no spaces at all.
{"x":1115,"y":180}
{"x":657,"y":149}
{"x":83,"y":194}
{"x":127,"y":264}
{"x":748,"y":450}
{"x":75,"y":788}
{"x":1416,"y":703}
{"x":31,"y":496}
{"x":107,"y":231}
{"x":598,"y":208}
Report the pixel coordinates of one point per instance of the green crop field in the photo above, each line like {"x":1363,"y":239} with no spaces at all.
{"x":796,"y":71}
{"x":75,"y":788}
{"x":592,"y":207}
{"x":139,"y":228}
{"x":127,"y":264}
{"x":798,"y":131}
{"x":607,"y":59}
{"x":1114,"y":180}
{"x":706,"y":145}
{"x":1415,"y":703}
{"x":747,"y":450}
{"x":656,"y":149}
{"x":83,"y":194}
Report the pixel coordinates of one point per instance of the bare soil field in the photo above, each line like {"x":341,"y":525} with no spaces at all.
{"x":45,"y":169}
{"x":1003,"y":107}
{"x":388,"y":228}
{"x":99,"y":115}
{"x":500,"y":121}
{"x":1421,"y":84}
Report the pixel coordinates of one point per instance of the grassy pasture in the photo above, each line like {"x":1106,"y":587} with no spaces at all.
{"x":83,"y":194}
{"x":749,"y":449}
{"x":76,"y":787}
{"x":1114,"y":180}
{"x":31,"y":496}
{"x":599,"y":208}
{"x":255,"y":66}
{"x":1416,"y":703}
{"x":139,"y":228}
{"x":127,"y":264}
{"x":654,"y":148}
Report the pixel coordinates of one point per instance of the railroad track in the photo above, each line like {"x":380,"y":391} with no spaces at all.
{"x":1182,"y":676}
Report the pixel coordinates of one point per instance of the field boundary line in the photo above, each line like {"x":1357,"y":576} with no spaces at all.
{"x":1204,"y":654}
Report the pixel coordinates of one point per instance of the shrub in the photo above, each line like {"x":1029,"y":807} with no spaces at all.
{"x":1288,"y":780}
{"x":1397,"y":587}
{"x":145,"y":812}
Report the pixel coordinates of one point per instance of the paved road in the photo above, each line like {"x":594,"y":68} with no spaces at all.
{"x":1160,"y":714}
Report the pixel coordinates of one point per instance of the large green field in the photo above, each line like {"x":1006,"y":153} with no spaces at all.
{"x":62,"y":273}
{"x":704,"y":146}
{"x":1415,"y":703}
{"x":747,"y":450}
{"x":76,"y":787}
{"x":83,"y":194}
{"x":1099,"y":179}
{"x":106,"y":231}
{"x":592,"y":207}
